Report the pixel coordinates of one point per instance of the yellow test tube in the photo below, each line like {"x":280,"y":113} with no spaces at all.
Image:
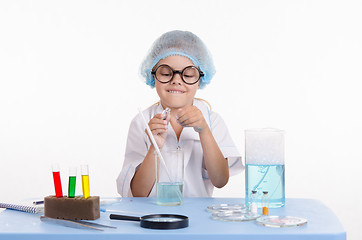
{"x":85,"y":180}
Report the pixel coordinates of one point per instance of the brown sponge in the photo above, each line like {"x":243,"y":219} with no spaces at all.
{"x":77,"y":208}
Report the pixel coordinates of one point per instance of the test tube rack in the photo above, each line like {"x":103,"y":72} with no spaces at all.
{"x":77,"y":208}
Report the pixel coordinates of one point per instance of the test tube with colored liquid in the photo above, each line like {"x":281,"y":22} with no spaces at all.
{"x":72,"y":181}
{"x":57,"y":181}
{"x":85,"y":180}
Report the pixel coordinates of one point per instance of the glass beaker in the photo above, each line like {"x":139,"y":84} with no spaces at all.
{"x":170,"y":178}
{"x":264,"y":158}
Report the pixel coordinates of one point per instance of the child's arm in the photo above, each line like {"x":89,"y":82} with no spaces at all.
{"x":144,"y":178}
{"x":215,"y":163}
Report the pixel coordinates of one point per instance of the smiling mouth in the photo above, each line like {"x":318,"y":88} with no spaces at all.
{"x":175,"y":91}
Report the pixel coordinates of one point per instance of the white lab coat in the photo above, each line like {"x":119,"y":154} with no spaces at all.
{"x":196,"y":181}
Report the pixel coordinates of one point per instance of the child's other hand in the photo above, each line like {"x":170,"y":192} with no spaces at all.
{"x":159,"y":128}
{"x":191,"y":116}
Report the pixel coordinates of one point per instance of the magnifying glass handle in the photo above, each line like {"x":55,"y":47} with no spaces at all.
{"x":124,"y":217}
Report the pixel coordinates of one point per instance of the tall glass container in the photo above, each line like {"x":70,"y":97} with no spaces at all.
{"x":264,"y":158}
{"x":170,"y":177}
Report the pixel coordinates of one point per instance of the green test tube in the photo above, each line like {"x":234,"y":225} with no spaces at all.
{"x":72,"y":181}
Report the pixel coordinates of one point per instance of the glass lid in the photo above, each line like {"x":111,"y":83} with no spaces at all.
{"x":281,"y":221}
{"x":234,"y":216}
{"x":226,"y":207}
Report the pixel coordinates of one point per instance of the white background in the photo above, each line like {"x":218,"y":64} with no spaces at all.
{"x":69,"y":87}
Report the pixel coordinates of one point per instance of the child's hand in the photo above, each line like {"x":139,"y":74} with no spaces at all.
{"x":159,"y":128}
{"x":191,"y":116}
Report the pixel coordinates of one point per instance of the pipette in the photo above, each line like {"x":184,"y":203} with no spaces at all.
{"x":179,"y":194}
{"x":155,"y":144}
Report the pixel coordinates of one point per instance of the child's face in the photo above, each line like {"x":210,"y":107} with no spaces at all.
{"x":176,"y":93}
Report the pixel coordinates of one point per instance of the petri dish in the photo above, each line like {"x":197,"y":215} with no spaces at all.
{"x":234,"y":216}
{"x":227,"y":207}
{"x":281,"y":221}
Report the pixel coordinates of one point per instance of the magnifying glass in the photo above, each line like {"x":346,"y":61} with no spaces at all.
{"x":157,"y":221}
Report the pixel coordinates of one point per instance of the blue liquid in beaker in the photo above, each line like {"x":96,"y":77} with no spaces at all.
{"x":269,"y":178}
{"x":169,"y":194}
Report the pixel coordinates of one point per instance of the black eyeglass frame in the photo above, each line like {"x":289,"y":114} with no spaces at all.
{"x":201,"y":74}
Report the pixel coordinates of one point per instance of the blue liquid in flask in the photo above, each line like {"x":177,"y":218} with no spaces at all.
{"x":269,"y":178}
{"x":169,"y":194}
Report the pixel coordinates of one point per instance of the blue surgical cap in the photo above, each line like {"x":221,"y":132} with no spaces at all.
{"x":182,"y":43}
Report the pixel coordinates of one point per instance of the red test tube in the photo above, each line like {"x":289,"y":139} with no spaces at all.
{"x":57,"y":181}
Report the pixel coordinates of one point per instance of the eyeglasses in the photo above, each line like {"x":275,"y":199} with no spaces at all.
{"x":189,"y":75}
